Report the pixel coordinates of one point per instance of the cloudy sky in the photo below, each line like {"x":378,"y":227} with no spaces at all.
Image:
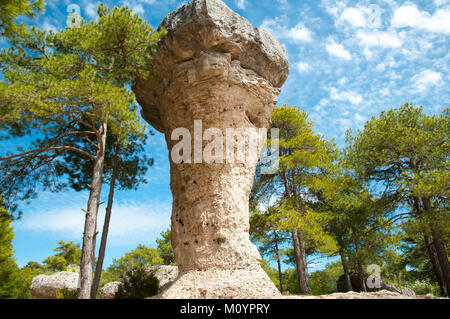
{"x":349,"y":60}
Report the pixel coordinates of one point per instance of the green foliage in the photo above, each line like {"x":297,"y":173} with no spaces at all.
{"x":142,"y":255}
{"x":406,"y":152}
{"x":14,"y":282}
{"x":304,"y":155}
{"x":271,"y":272}
{"x":290,"y":281}
{"x":423,"y":287}
{"x":66,"y":294}
{"x":67,"y":254}
{"x":64,"y":88}
{"x":324,"y":282}
{"x":165,"y":247}
{"x":137,"y":283}
{"x":8,"y":267}
{"x":10,"y":10}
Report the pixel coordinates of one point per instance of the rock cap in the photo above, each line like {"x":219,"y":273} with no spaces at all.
{"x":203,"y":25}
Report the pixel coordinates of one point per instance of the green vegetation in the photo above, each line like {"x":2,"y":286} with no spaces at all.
{"x":137,"y":283}
{"x":10,"y":10}
{"x":71,"y":89}
{"x":382,"y":199}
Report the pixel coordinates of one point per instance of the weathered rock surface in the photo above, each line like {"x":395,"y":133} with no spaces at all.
{"x":45,"y":286}
{"x":215,"y":67}
{"x":165,"y":274}
{"x":109,"y":290}
{"x":203,"y":26}
{"x":382,"y":294}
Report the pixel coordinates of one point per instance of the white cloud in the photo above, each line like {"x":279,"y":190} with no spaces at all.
{"x":426,"y":79}
{"x":302,"y":66}
{"x":241,"y":4}
{"x":47,"y":26}
{"x":356,"y":17}
{"x":439,"y":3}
{"x":278,"y":28}
{"x":353,"y":16}
{"x":360,"y":118}
{"x":343,"y":81}
{"x":345,"y":96}
{"x":410,"y":16}
{"x":300,"y":33}
{"x":129,"y":221}
{"x":337,"y":50}
{"x":377,"y":38}
{"x":91,"y":10}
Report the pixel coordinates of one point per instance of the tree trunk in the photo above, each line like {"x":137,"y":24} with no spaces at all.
{"x":435,"y":262}
{"x":443,"y":262}
{"x":300,"y":257}
{"x":299,"y":248}
{"x":101,"y":253}
{"x":362,"y":282}
{"x":87,"y":261}
{"x":346,"y":273}
{"x":441,"y":254}
{"x":280,"y":276}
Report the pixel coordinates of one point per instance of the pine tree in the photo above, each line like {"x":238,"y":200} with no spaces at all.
{"x":405,"y":153}
{"x":303,"y":155}
{"x":10,"y":10}
{"x":57,"y":83}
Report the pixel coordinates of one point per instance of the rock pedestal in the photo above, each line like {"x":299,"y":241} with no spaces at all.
{"x":213,"y":67}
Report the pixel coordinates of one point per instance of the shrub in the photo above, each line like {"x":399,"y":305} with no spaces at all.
{"x":66,"y":294}
{"x":423,"y":287}
{"x":137,"y":283}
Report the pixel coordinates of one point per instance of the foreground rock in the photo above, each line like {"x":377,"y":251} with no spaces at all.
{"x":109,"y":290}
{"x":45,"y":286}
{"x":214,"y":67}
{"x":382,"y":294}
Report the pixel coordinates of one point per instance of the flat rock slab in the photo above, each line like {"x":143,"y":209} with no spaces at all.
{"x":46,"y":286}
{"x":382,"y":294}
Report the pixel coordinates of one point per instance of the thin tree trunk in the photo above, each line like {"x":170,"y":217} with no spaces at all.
{"x":441,"y":254}
{"x":280,"y":276}
{"x":361,"y":277}
{"x":443,"y":262}
{"x":346,"y":273}
{"x":302,"y":269}
{"x":431,"y":250}
{"x":87,"y":261}
{"x":299,"y":248}
{"x":101,"y":253}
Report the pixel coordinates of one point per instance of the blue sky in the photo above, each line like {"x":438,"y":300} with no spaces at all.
{"x":349,"y":61}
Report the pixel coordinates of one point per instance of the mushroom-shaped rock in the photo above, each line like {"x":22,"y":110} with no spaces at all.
{"x":213,"y":72}
{"x":46,"y":286}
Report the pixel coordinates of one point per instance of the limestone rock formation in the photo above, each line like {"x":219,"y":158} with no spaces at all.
{"x":382,"y":294}
{"x":45,"y":286}
{"x":109,"y":290}
{"x":215,"y":67}
{"x":165,"y":274}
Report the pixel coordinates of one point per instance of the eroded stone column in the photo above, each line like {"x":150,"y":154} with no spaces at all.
{"x":215,"y":67}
